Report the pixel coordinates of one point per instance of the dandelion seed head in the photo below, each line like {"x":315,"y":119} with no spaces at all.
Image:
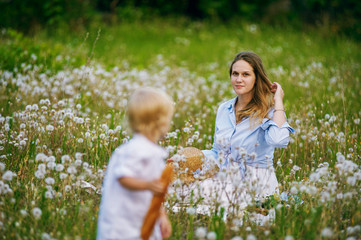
{"x":191,"y":210}
{"x":2,"y":166}
{"x":49,"y":195}
{"x":36,"y":212}
{"x":40,"y":157}
{"x":65,"y":159}
{"x":39,"y":174}
{"x":49,"y":128}
{"x":63,"y":176}
{"x":71,"y":170}
{"x":23,"y":212}
{"x":8,"y":175}
{"x":327,"y":232}
{"x":49,"y":180}
{"x":236,"y":238}
{"x":78,"y":155}
{"x":251,"y":237}
{"x":211,"y":236}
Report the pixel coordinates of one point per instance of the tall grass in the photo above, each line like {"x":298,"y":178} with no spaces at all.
{"x":63,"y":98}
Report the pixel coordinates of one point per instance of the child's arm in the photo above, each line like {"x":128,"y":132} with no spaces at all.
{"x":165,"y":225}
{"x":156,"y":186}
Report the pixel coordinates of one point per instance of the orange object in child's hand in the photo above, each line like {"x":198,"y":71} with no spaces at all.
{"x":154,"y":209}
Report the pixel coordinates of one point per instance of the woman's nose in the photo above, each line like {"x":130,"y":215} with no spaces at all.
{"x":239,"y":78}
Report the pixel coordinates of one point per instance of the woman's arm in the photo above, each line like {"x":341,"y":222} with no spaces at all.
{"x":279,"y":113}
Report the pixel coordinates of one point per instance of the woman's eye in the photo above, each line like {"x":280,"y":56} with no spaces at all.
{"x":235,"y":74}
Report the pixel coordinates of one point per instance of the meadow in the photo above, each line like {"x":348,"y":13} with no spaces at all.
{"x":63,"y":100}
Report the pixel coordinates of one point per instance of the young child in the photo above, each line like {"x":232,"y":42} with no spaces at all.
{"x":132,"y":176}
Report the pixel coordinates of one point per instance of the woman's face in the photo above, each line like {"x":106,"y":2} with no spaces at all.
{"x":243,"y":78}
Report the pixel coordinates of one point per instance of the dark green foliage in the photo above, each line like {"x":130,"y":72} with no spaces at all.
{"x":337,"y":16}
{"x":27,"y":15}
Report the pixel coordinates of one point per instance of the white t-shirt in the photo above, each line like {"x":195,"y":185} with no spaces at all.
{"x":122,"y":211}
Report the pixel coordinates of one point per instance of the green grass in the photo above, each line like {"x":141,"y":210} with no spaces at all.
{"x":190,"y":60}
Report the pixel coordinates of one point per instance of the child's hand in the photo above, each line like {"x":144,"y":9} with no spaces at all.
{"x":156,"y":186}
{"x":165,"y":226}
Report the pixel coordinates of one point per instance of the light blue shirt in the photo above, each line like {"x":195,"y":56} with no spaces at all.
{"x":244,"y":144}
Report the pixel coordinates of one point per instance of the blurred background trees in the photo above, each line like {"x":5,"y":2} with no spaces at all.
{"x":336,"y":16}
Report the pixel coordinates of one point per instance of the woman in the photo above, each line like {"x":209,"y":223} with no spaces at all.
{"x":250,"y":126}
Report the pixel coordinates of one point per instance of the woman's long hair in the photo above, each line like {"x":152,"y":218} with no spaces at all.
{"x":262,"y":100}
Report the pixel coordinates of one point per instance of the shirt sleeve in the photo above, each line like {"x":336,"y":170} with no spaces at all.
{"x":277,"y":136}
{"x":127,"y":164}
{"x":213,"y":152}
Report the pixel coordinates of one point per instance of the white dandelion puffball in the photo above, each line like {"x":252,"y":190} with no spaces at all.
{"x":36,"y":212}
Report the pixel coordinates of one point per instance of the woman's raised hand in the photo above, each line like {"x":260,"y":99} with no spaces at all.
{"x":278,"y":91}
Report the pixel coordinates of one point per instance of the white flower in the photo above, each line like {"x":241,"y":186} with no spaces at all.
{"x":294,"y":190}
{"x":78,"y":155}
{"x":236,"y":238}
{"x":296,"y":168}
{"x":325,"y":197}
{"x":191,"y":210}
{"x":8,"y":175}
{"x":340,"y":157}
{"x":49,"y":128}
{"x":251,"y":237}
{"x":289,"y":237}
{"x":65,"y":158}
{"x":314,"y":177}
{"x":51,"y":159}
{"x":78,"y":162}
{"x":67,"y":188}
{"x":72,"y":170}
{"x":49,"y":180}
{"x":40,"y":157}
{"x":80,"y":140}
{"x":351,"y":181}
{"x":2,"y":166}
{"x":51,"y":165}
{"x":42,"y":167}
{"x":39,"y":174}
{"x":59,"y":167}
{"x":45,"y":236}
{"x":23,"y":212}
{"x":36,"y":212}
{"x":351,"y":238}
{"x":49,"y":195}
{"x":35,"y":107}
{"x":348,"y":195}
{"x":63,"y":175}
{"x":201,"y":232}
{"x":327,"y":232}
{"x":212,"y":236}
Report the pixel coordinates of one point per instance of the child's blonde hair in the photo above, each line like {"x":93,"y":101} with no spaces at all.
{"x":150,"y":111}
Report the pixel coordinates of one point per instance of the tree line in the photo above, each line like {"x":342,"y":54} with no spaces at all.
{"x":341,"y":16}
